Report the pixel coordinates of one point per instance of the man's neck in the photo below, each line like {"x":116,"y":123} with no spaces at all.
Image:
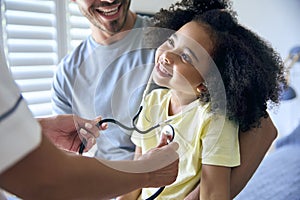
{"x":105,"y":38}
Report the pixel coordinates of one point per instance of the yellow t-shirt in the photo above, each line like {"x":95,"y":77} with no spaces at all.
{"x":204,"y":138}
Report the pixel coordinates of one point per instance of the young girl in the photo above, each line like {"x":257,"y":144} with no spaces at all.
{"x":251,"y":74}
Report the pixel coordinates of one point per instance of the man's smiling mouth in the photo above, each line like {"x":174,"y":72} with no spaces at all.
{"x":108,"y":11}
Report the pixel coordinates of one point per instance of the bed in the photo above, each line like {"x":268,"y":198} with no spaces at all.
{"x":278,"y":176}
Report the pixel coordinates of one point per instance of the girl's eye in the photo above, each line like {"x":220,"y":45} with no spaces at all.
{"x":185,"y":57}
{"x":170,"y":42}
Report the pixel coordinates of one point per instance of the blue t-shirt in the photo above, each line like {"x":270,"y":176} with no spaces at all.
{"x":108,"y":81}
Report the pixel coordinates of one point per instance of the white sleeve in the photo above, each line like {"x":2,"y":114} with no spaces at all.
{"x":20,"y":133}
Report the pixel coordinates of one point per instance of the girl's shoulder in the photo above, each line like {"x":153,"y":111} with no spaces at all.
{"x":157,"y":95}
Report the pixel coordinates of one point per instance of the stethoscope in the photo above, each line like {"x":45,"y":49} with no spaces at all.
{"x":133,"y":127}
{"x":167,"y":129}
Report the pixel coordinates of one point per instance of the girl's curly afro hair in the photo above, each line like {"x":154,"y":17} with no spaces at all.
{"x":184,"y":11}
{"x":252,"y":72}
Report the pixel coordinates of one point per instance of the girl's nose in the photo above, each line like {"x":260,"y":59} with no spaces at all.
{"x":166,"y":61}
{"x":167,"y":58}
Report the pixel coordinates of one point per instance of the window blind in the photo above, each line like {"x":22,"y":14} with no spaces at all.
{"x":37,"y":34}
{"x":78,"y":26}
{"x":31,"y":46}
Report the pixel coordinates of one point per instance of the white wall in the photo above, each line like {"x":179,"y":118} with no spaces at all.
{"x":150,"y":6}
{"x":278,"y":21}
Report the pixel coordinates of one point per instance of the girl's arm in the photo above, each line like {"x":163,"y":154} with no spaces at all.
{"x":254,"y":145}
{"x":215,"y":183}
{"x":134,"y":194}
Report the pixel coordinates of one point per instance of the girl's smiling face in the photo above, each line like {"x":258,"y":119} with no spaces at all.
{"x":183,"y":60}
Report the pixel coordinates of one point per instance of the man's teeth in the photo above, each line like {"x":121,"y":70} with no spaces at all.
{"x":109,"y":12}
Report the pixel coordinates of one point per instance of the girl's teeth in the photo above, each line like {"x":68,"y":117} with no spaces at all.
{"x":164,"y":70}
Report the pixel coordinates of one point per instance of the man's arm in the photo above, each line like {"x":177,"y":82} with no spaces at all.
{"x":61,"y":96}
{"x":254,"y":145}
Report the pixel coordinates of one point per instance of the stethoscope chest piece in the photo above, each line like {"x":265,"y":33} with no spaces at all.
{"x":168,"y":132}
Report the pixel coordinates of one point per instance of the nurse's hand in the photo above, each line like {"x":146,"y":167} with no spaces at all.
{"x":162,"y":162}
{"x":67,"y":131}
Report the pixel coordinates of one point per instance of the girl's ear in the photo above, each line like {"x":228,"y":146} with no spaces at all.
{"x":201,"y":88}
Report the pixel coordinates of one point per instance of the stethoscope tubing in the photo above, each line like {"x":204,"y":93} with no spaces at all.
{"x":133,"y":128}
{"x":83,"y":143}
{"x":153,"y":196}
{"x":110,"y":120}
{"x":134,"y":119}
